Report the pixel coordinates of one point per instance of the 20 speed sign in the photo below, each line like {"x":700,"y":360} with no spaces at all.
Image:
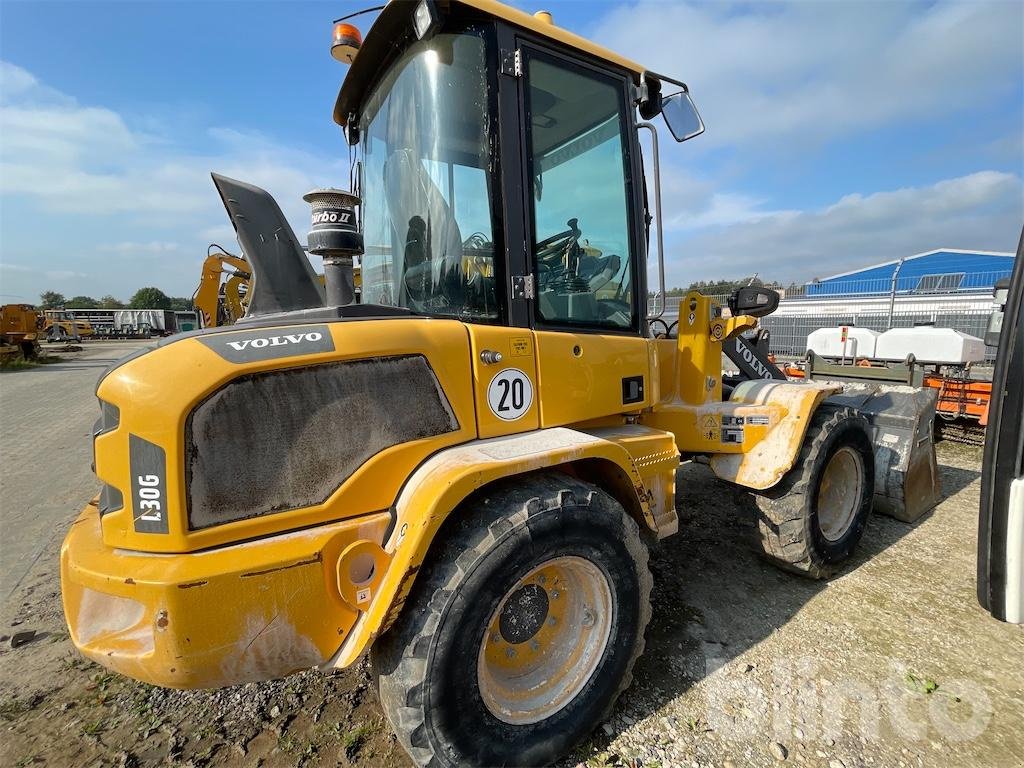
{"x":510,"y":394}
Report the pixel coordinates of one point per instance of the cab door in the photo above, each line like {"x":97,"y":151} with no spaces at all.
{"x":1001,"y":518}
{"x":584,"y":238}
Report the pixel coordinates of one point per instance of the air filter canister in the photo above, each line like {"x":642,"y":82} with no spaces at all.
{"x":335,"y":236}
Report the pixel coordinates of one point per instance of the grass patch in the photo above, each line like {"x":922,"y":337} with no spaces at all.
{"x":94,"y":728}
{"x":352,"y":741}
{"x":19,"y":363}
{"x":293,"y":745}
{"x":921,"y":684}
{"x":12,"y":708}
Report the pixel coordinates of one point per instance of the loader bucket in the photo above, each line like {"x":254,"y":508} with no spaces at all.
{"x":901,"y":419}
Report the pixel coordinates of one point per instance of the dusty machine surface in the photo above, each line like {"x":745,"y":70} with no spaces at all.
{"x":460,"y":475}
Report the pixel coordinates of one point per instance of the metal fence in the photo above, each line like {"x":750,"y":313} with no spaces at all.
{"x":789,"y":332}
{"x":962,"y":302}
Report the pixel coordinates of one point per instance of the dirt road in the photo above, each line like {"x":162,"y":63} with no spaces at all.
{"x":890,"y":664}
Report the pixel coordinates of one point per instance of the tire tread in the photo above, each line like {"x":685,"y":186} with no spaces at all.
{"x":404,"y":648}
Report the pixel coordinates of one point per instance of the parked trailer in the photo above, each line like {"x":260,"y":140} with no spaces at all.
{"x":129,"y":323}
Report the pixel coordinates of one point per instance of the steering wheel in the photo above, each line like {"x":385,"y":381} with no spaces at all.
{"x":553,"y":246}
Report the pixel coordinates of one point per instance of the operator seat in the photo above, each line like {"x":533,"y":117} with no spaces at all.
{"x":414,"y":200}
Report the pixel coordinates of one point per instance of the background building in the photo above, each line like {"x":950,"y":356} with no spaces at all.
{"x":942,"y":271}
{"x":948,"y":288}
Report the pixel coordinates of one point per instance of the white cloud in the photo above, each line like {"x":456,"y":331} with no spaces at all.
{"x":64,"y":274}
{"x":808,"y":72}
{"x":86,"y":159}
{"x":982,"y":211}
{"x":87,"y":167}
{"x":153,"y":247}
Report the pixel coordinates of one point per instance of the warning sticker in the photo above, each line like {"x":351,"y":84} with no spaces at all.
{"x":732,"y":421}
{"x":709,"y":427}
{"x":521,"y":346}
{"x":732,"y":435}
{"x":760,"y":421}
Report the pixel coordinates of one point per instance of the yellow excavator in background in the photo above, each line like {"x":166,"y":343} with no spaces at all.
{"x":463,"y":474}
{"x":221,"y":302}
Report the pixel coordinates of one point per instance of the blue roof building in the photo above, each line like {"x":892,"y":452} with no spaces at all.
{"x":946,"y":270}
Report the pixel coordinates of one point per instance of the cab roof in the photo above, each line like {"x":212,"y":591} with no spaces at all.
{"x":394,"y":21}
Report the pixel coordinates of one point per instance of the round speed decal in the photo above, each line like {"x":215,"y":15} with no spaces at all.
{"x":510,"y":394}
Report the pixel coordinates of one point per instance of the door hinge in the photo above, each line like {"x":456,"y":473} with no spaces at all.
{"x":512,"y":63}
{"x":522,"y":287}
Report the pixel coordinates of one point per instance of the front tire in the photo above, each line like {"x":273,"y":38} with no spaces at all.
{"x":522,"y":630}
{"x":811,"y":521}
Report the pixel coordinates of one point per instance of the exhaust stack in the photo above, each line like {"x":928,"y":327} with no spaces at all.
{"x":335,"y":237}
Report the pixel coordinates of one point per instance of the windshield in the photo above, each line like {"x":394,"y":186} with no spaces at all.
{"x":427,"y":183}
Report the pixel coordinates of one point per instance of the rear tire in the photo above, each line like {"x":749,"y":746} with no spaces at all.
{"x":522,"y":630}
{"x":811,"y":521}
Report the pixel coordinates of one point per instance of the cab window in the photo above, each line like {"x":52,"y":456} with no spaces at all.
{"x":580,"y":198}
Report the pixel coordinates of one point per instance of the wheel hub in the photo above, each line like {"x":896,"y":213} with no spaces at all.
{"x":524,"y":613}
{"x":545,"y":640}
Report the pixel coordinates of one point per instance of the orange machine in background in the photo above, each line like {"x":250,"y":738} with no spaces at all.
{"x":19,"y":331}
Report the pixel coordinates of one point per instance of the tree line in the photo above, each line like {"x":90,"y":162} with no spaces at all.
{"x":723,"y":287}
{"x":144,"y":298}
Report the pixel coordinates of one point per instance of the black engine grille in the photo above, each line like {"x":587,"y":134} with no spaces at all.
{"x":282,"y":440}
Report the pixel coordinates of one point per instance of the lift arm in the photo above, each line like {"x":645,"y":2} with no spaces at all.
{"x":207,"y":298}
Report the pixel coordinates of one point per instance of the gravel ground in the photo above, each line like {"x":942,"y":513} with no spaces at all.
{"x":45,"y":423}
{"x":890,"y":664}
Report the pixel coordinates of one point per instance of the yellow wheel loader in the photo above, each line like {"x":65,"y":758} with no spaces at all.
{"x":462,"y":474}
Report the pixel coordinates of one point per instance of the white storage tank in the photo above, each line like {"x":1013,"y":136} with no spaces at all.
{"x":843,"y":341}
{"x":929,"y":344}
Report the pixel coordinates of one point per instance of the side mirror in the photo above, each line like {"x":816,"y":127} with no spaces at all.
{"x":754,"y":301}
{"x":681,"y":116}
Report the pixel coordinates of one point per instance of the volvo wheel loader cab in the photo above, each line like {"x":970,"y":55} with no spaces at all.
{"x":461,"y":474}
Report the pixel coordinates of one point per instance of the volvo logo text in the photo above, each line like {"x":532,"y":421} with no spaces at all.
{"x":276,"y":341}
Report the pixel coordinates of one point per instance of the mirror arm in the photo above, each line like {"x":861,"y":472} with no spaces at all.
{"x":667,"y":79}
{"x":658,"y":223}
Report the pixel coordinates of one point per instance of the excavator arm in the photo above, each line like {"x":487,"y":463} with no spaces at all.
{"x":219,"y":307}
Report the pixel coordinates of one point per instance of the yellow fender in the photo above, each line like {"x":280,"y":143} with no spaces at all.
{"x":446,"y":479}
{"x":792,"y":404}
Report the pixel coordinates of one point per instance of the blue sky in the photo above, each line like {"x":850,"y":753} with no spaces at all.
{"x":839,"y":134}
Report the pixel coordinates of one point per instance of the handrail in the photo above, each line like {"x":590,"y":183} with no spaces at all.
{"x":658,"y":222}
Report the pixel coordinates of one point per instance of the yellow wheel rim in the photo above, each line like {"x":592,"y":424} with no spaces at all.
{"x":545,"y":640}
